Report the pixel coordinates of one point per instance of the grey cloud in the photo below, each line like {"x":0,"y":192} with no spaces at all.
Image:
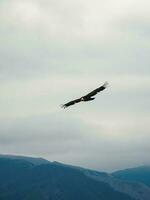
{"x":32,"y":52}
{"x":68,"y":139}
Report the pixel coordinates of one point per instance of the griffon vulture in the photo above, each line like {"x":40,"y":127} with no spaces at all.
{"x":87,"y":97}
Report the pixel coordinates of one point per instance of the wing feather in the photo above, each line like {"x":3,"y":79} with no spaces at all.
{"x":70,"y":103}
{"x":94,"y":92}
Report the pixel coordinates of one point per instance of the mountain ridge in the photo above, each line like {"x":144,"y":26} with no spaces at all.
{"x":57,"y":181}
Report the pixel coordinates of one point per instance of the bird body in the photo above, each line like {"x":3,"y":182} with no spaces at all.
{"x":88,"y":97}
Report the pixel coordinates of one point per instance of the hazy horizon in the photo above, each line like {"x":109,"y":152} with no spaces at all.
{"x":55,"y":51}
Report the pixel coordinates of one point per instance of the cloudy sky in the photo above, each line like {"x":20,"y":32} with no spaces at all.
{"x":53,"y":51}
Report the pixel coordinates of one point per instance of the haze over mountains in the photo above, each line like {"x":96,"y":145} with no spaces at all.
{"x":29,"y":178}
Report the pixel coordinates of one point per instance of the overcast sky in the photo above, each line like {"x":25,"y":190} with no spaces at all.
{"x":52,"y":51}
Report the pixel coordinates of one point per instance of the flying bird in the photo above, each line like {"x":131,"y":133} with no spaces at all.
{"x":88,"y":97}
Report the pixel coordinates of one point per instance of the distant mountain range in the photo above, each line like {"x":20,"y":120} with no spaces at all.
{"x":27,"y":178}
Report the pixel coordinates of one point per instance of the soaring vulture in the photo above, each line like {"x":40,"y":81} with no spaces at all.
{"x":87,"y":97}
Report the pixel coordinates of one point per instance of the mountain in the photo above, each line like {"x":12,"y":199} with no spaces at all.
{"x":138,"y":174}
{"x":35,"y":161}
{"x":22,"y":179}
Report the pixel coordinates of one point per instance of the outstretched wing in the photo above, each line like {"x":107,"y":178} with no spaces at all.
{"x":94,"y":92}
{"x":71,"y":103}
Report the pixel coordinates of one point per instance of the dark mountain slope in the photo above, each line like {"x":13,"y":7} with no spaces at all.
{"x":139,"y":174}
{"x":20,"y":179}
{"x":10,"y":170}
